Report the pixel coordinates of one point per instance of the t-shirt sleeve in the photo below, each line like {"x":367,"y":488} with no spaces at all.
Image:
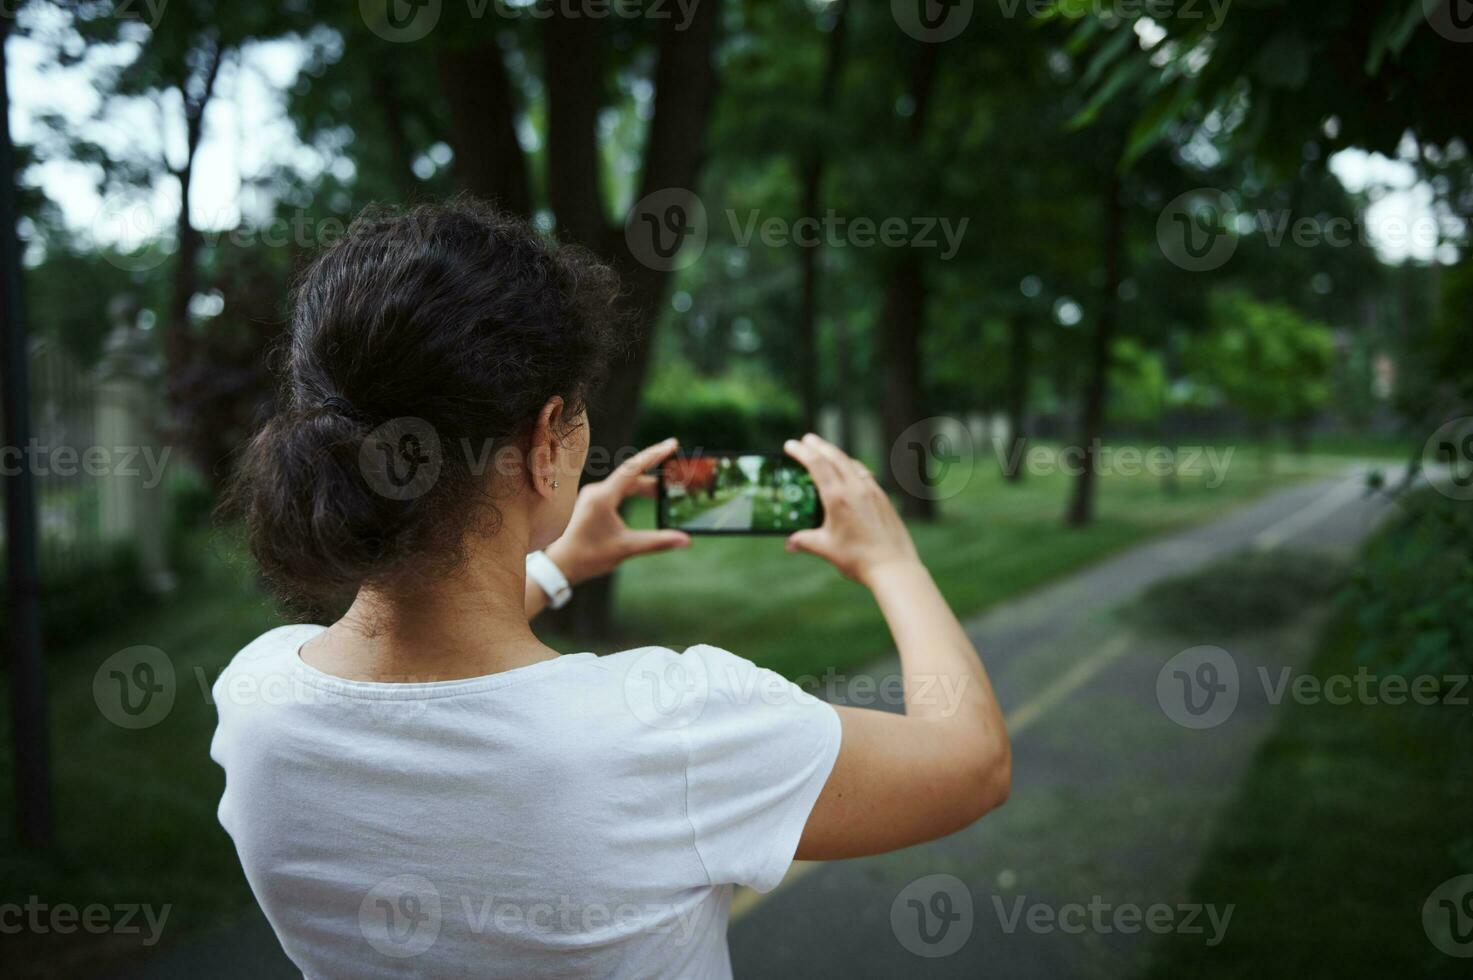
{"x":760,"y":750}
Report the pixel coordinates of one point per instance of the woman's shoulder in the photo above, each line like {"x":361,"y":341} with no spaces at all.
{"x":273,"y":646}
{"x":666,"y":689}
{"x":702,"y":661}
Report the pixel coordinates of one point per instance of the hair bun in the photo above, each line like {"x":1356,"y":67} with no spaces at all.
{"x":452,"y":323}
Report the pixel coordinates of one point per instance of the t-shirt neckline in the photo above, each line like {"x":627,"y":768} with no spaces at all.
{"x":411,"y":690}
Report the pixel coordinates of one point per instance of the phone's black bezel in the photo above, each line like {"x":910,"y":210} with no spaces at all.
{"x":784,"y":457}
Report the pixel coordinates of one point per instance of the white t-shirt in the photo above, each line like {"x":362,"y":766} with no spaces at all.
{"x":579,"y":817}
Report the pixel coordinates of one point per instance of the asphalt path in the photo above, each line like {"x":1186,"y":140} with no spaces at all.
{"x":1114,"y":802}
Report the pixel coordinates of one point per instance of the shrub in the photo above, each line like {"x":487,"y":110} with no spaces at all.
{"x":731,"y":411}
{"x":88,"y":599}
{"x":1413,"y":592}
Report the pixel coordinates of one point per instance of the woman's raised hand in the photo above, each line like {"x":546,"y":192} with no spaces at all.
{"x":861,"y":532}
{"x":597,"y":540}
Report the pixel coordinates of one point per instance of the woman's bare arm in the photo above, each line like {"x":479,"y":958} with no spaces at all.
{"x":900,"y":779}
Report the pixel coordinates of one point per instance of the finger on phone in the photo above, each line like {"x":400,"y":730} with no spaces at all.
{"x":647,"y":458}
{"x":645,"y":486}
{"x":649,"y":542}
{"x":819,"y":466}
{"x":831,"y":452}
{"x":809,"y":542}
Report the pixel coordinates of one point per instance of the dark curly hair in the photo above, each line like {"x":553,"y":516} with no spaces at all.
{"x":436,"y":333}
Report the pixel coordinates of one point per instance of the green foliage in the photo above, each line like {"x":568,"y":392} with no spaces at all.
{"x":88,"y":599}
{"x":1413,"y":593}
{"x":1279,"y":69}
{"x":1451,"y":353}
{"x":1268,"y":361}
{"x":738,"y":410}
{"x":1140,"y":390}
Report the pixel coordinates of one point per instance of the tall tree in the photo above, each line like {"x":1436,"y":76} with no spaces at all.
{"x":30,"y":730}
{"x":1020,"y":378}
{"x":178,"y":65}
{"x":490,"y":160}
{"x":903,"y":315}
{"x":521,"y":103}
{"x":196,"y":73}
{"x":1092,"y":416}
{"x":811,"y":173}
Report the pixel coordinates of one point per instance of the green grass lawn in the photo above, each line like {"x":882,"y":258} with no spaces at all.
{"x":1350,"y":817}
{"x":135,"y":810}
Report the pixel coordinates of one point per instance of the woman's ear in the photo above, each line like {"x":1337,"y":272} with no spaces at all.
{"x":545,"y":459}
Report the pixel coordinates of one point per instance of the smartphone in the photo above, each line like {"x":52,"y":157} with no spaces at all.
{"x":737,"y":493}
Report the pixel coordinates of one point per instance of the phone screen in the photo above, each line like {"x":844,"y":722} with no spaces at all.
{"x":737,"y":493}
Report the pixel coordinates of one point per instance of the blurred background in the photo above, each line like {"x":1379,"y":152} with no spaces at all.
{"x":1153,"y":314}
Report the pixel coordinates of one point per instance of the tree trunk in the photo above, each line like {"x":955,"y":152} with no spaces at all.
{"x":30,"y":728}
{"x":490,"y":162}
{"x":844,"y":382}
{"x":177,"y":344}
{"x":900,"y":345}
{"x":812,"y":169}
{"x":387,"y":93}
{"x":483,"y":125}
{"x":903,"y":320}
{"x":572,"y":52}
{"x":685,"y":87}
{"x":806,"y":331}
{"x":1170,"y":482}
{"x":1020,"y":367}
{"x":1082,"y":506}
{"x":186,"y":278}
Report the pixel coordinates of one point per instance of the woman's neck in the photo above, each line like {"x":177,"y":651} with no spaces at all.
{"x":467,"y":625}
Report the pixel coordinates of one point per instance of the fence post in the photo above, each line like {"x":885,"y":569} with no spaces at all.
{"x":30,"y":731}
{"x":133,"y":505}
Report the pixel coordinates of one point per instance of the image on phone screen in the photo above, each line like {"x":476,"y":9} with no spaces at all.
{"x":737,"y":493}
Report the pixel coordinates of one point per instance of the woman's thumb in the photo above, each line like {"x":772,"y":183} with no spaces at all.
{"x":809,"y":542}
{"x":646,"y":542}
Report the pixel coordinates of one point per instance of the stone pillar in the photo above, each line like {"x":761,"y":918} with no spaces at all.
{"x":133,"y":487}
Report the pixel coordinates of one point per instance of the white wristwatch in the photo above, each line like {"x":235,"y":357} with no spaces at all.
{"x":544,"y":571}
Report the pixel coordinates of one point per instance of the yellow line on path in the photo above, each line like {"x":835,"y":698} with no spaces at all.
{"x":1019,"y":721}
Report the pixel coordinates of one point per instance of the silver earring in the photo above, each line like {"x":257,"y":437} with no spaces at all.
{"x":554,"y":484}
